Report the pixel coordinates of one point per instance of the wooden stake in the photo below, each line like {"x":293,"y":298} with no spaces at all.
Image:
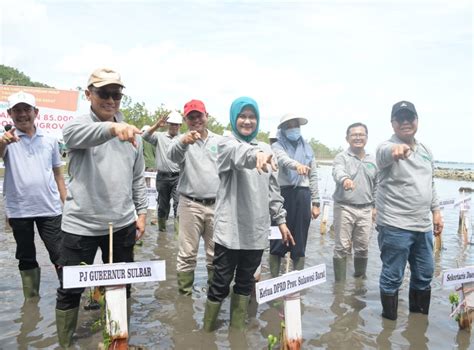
{"x":324,"y":219}
{"x":111,"y":243}
{"x":438,"y":242}
{"x":116,"y":306}
{"x":293,"y":336}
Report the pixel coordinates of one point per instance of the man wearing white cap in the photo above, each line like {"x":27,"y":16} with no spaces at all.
{"x":107,"y":185}
{"x":167,"y":171}
{"x":33,"y":188}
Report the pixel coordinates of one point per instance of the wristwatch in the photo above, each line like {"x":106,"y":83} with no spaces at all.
{"x":316,"y":204}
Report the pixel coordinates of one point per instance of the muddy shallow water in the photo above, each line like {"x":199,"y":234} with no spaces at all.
{"x":334,"y":316}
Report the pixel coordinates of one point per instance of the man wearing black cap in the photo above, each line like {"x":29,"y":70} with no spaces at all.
{"x":408,"y":213}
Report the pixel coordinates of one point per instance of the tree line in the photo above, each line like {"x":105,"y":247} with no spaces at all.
{"x":137,"y":114}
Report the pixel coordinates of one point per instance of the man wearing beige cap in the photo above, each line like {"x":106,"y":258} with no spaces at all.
{"x":106,"y":185}
{"x":33,"y":188}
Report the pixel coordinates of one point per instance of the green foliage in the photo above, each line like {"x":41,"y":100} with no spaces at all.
{"x":12,"y":76}
{"x":454,"y":298}
{"x":321,"y":151}
{"x":137,"y":114}
{"x":272,"y":341}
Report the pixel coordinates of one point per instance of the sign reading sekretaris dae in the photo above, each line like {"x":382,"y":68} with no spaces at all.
{"x":458,"y":276}
{"x":290,"y":283}
{"x":113,"y":274}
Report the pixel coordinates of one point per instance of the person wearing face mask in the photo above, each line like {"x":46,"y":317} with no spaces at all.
{"x":298,"y":180}
{"x":245,"y":167}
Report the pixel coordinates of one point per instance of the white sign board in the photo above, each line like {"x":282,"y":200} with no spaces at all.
{"x":464,"y":200}
{"x":151,"y":189}
{"x":447,"y":203}
{"x":274,"y":233}
{"x":458,"y":276}
{"x":113,"y":274}
{"x":290,"y":283}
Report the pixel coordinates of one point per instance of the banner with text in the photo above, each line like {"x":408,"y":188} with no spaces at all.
{"x":56,"y":107}
{"x":458,"y":276}
{"x":290,"y":283}
{"x":113,"y":274}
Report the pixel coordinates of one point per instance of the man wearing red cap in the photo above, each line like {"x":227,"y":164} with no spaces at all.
{"x":196,"y":154}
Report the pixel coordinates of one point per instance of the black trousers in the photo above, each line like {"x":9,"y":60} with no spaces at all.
{"x":76,"y":249}
{"x":166,"y":185}
{"x":49,"y":229}
{"x":298,"y":218}
{"x":229,"y":262}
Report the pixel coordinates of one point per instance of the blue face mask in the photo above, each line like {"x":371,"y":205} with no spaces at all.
{"x":293,"y":134}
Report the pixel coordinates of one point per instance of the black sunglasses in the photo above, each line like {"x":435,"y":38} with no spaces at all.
{"x":105,"y":95}
{"x":400,"y":118}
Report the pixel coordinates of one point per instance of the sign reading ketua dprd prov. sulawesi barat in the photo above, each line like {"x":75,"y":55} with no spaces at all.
{"x":458,"y":276}
{"x":113,"y":274}
{"x":290,"y":283}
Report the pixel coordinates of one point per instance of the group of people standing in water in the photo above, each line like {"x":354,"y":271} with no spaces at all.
{"x":227,"y":189}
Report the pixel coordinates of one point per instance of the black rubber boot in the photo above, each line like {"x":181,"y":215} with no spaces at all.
{"x":419,"y":300}
{"x":389,"y":305}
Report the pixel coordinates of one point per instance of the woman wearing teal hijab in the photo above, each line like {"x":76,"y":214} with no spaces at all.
{"x":247,"y":194}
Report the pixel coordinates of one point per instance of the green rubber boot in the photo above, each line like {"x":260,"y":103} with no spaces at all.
{"x":66,"y":321}
{"x":275,"y":262}
{"x":339,"y":269}
{"x":298,"y":263}
{"x":210,"y":275}
{"x":162,"y":224}
{"x":210,"y":315}
{"x":360,"y":267}
{"x":185,"y":282}
{"x":31,"y":282}
{"x":238,"y":310}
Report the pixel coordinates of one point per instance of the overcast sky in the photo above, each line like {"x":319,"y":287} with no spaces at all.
{"x":333,"y":62}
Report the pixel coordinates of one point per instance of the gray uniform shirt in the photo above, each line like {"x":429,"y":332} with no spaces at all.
{"x":106,"y":178}
{"x":286,"y":162}
{"x":406,"y":192}
{"x":363,"y":172}
{"x":162,"y":140}
{"x":197,"y":166}
{"x":245,"y":199}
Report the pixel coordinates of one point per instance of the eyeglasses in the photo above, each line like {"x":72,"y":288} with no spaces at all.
{"x":358,"y":136}
{"x":105,"y":95}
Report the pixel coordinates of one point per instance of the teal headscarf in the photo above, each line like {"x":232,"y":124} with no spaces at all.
{"x":236,"y":108}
